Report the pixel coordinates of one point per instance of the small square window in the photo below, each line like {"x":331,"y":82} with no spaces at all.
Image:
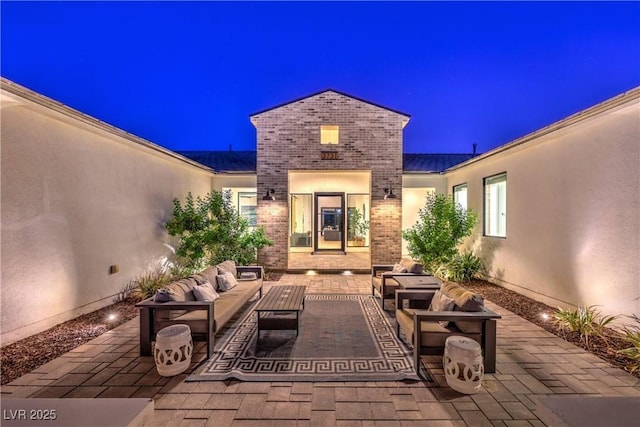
{"x":329,"y":135}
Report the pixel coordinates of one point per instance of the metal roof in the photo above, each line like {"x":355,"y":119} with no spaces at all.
{"x":245,"y":161}
{"x":435,"y":163}
{"x":225,"y":161}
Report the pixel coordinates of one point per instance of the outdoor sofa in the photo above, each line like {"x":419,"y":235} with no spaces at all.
{"x":383,"y":277}
{"x":468,"y":317}
{"x":204,"y":318}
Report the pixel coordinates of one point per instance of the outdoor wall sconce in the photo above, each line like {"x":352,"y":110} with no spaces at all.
{"x":269,"y":196}
{"x":388,"y":194}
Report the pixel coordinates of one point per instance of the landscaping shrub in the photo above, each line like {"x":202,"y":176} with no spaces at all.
{"x":210,"y":231}
{"x":461,"y":267}
{"x":586,"y":321}
{"x":147,"y":284}
{"x":440,"y":229}
{"x":632,"y":335}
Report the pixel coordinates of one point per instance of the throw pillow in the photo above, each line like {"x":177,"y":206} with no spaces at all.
{"x":226,"y":281}
{"x":162,"y":295}
{"x":205,"y":292}
{"x":397,"y":268}
{"x":441,"y":302}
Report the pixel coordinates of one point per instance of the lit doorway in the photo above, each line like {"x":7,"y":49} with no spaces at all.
{"x":329,"y":222}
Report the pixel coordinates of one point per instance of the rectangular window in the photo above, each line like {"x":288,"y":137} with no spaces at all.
{"x":460,"y":195}
{"x":358,"y":208}
{"x":247,"y":205}
{"x":495,"y":205}
{"x":329,"y":135}
{"x":301,"y":220}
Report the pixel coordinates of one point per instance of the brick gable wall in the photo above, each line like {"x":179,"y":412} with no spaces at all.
{"x":288,"y":139}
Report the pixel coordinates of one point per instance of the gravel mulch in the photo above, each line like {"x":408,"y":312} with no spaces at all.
{"x":26,"y":355}
{"x":605,"y":346}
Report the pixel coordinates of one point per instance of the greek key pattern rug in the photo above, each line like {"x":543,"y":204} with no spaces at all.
{"x":341,"y":338}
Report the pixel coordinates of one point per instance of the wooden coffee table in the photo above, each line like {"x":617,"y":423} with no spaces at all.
{"x":418,"y":282}
{"x":280,"y":300}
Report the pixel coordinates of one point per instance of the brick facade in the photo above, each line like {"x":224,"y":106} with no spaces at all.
{"x":288,"y":139}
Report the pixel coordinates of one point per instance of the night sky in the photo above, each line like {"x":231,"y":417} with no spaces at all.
{"x":188,"y":75}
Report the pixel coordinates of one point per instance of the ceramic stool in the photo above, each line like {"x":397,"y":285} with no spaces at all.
{"x":173,"y":350}
{"x":462,"y":362}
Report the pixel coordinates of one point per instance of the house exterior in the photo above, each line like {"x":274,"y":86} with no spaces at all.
{"x":84,"y":203}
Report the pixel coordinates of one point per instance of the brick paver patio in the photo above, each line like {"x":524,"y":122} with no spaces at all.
{"x":531,"y":363}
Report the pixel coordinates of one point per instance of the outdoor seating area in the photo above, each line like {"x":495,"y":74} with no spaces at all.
{"x":530,"y":364}
{"x":185,"y":304}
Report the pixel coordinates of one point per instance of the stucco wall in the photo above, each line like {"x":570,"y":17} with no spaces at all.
{"x":76,"y":200}
{"x":415,"y":188}
{"x":288,"y":139}
{"x":573,"y":213}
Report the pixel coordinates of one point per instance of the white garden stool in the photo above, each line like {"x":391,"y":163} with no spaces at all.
{"x":462,"y":361}
{"x":173,"y":350}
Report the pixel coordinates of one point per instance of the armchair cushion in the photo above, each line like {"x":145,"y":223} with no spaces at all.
{"x":390,"y":284}
{"x":411,"y":266}
{"x":465,"y":299}
{"x":433,"y":334}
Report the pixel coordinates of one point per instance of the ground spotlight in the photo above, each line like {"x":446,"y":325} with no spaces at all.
{"x":111,"y":317}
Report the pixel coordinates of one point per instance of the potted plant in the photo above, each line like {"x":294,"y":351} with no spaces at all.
{"x":358,"y":227}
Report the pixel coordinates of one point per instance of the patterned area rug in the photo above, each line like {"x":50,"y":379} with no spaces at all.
{"x":341,"y":338}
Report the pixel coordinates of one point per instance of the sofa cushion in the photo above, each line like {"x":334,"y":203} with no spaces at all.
{"x":229,"y":266}
{"x":210,"y":275}
{"x":224,"y":308}
{"x":464,"y":298}
{"x":226,"y":281}
{"x":411,"y":266}
{"x":182,"y":290}
{"x":205,"y":292}
{"x":200,"y":279}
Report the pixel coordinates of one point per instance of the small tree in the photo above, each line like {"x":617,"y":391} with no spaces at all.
{"x":211,"y":231}
{"x":442,"y":226}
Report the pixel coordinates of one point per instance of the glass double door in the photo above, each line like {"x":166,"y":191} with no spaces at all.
{"x":329,"y":223}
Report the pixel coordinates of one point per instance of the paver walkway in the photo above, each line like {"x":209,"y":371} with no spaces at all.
{"x":531,"y":363}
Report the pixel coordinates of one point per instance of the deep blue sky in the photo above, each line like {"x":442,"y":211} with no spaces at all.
{"x":187,"y":75}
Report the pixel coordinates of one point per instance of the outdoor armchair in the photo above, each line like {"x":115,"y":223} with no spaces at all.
{"x":423,"y":329}
{"x":382,"y":277}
